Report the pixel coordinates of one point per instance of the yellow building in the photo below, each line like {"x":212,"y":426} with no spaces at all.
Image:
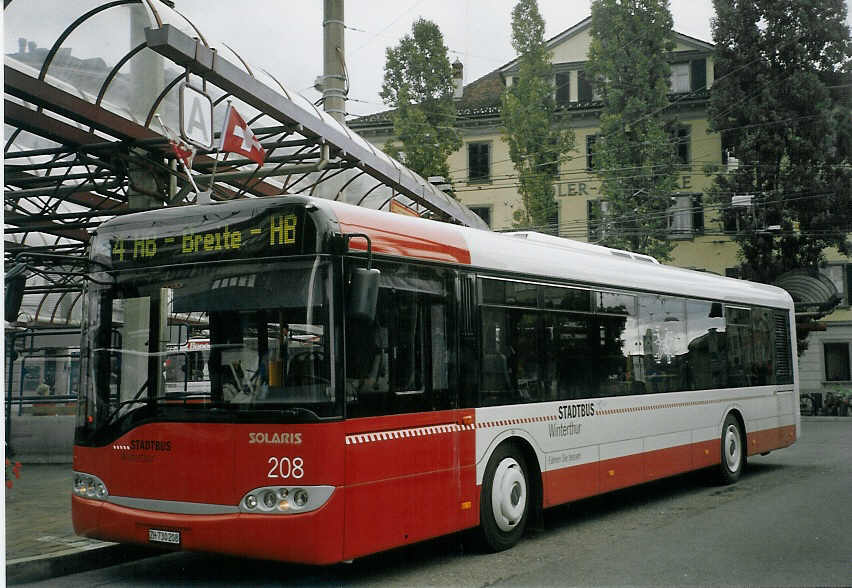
{"x":484,"y":178}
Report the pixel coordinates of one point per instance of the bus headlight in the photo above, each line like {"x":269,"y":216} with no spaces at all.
{"x":89,"y":486}
{"x":285,"y":499}
{"x":269,"y":499}
{"x":300,"y":497}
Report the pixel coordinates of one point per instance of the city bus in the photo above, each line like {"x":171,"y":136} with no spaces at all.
{"x":371,"y":380}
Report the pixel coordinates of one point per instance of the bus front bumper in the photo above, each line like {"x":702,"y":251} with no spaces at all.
{"x":314,"y":537}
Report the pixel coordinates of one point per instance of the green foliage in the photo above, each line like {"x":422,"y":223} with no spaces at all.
{"x":537,"y":139}
{"x":781,"y":103}
{"x":634,"y":154}
{"x":418,"y":83}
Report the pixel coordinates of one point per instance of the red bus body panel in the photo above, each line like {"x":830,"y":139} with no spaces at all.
{"x":404,"y":236}
{"x":408,"y":478}
{"x":397,"y":479}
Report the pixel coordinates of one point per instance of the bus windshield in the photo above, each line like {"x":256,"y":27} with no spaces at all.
{"x":247,"y":338}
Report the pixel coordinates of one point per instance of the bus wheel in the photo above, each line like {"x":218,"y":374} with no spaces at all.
{"x":504,"y":504}
{"x":733,"y":451}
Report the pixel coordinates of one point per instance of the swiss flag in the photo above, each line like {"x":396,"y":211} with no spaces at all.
{"x":238,"y":138}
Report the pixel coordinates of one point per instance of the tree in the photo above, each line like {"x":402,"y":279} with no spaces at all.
{"x":537,"y":140}
{"x":418,"y":83}
{"x":634,"y":155}
{"x":781,"y":104}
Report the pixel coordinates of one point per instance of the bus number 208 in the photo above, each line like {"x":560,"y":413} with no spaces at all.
{"x":284,"y":467}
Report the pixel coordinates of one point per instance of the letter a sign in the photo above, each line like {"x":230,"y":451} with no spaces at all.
{"x":196,"y":117}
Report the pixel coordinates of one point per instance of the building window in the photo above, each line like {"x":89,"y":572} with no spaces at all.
{"x":585,"y":91}
{"x":590,"y":151}
{"x":837,"y":362}
{"x":563,"y":89}
{"x":680,"y":78}
{"x":680,"y":139}
{"x":479,"y":162}
{"x":686,"y":216}
{"x":483,"y":212}
{"x":698,"y":75}
{"x":688,"y":76}
{"x":738,"y":216}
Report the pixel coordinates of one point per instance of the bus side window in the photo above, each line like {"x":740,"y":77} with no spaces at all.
{"x":496,"y":381}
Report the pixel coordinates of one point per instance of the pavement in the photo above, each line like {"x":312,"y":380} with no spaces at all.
{"x":40,"y":539}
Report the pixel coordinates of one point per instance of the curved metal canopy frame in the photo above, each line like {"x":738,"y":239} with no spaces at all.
{"x":83,"y":144}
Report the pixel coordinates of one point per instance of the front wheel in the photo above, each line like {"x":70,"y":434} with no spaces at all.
{"x":505,"y":500}
{"x":733,"y":451}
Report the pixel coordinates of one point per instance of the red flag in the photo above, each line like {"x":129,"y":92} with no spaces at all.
{"x":183,"y":151}
{"x":237,"y":137}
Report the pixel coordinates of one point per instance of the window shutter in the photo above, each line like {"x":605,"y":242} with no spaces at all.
{"x":563,"y":89}
{"x":697,"y":214}
{"x":584,"y":87}
{"x":698,"y":77}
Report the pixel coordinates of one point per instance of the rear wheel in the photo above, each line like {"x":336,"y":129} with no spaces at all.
{"x":505,"y":500}
{"x":733,"y":451}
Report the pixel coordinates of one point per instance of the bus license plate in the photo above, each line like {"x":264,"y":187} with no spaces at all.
{"x":158,"y":536}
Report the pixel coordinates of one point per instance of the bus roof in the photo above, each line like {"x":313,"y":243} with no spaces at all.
{"x":544,"y":256}
{"x":524,"y":254}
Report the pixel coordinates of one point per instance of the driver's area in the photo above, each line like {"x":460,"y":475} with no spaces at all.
{"x":268,"y":356}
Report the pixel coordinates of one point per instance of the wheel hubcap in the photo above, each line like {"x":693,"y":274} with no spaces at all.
{"x":732,"y":448}
{"x":508,"y":494}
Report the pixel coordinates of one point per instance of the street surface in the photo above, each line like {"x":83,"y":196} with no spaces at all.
{"x":788,"y":521}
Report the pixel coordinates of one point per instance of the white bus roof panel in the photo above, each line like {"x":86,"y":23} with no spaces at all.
{"x":507,"y":253}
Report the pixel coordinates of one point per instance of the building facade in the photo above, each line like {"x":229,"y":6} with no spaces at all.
{"x":484,"y":179}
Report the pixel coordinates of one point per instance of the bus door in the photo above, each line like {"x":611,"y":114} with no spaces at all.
{"x":406,"y":447}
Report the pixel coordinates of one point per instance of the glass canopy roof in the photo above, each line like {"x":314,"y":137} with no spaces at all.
{"x":86,"y":86}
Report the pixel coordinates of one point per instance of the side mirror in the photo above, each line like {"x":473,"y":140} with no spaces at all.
{"x":15,"y":281}
{"x":363,"y":293}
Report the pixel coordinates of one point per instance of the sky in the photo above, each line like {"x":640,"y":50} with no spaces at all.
{"x":285,"y":36}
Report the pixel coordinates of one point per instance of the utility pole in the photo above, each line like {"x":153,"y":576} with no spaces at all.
{"x":334,"y":71}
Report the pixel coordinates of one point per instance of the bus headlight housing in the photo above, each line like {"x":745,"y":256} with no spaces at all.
{"x":89,"y":486}
{"x":285,"y":499}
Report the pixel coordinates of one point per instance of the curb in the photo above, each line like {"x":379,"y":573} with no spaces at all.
{"x":73,"y":561}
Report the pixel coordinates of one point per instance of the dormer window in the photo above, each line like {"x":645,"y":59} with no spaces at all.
{"x":688,"y":76}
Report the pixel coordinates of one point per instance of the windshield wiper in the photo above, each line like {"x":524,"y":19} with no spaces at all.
{"x":124,"y":403}
{"x":182,"y":395}
{"x":298,"y":411}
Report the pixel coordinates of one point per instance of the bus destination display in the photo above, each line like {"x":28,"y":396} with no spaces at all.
{"x":277,"y":233}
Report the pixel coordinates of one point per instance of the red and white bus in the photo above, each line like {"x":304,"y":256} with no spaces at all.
{"x":466,"y":379}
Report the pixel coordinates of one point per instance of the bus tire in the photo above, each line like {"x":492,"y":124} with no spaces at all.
{"x":733,"y":451}
{"x":505,"y":500}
